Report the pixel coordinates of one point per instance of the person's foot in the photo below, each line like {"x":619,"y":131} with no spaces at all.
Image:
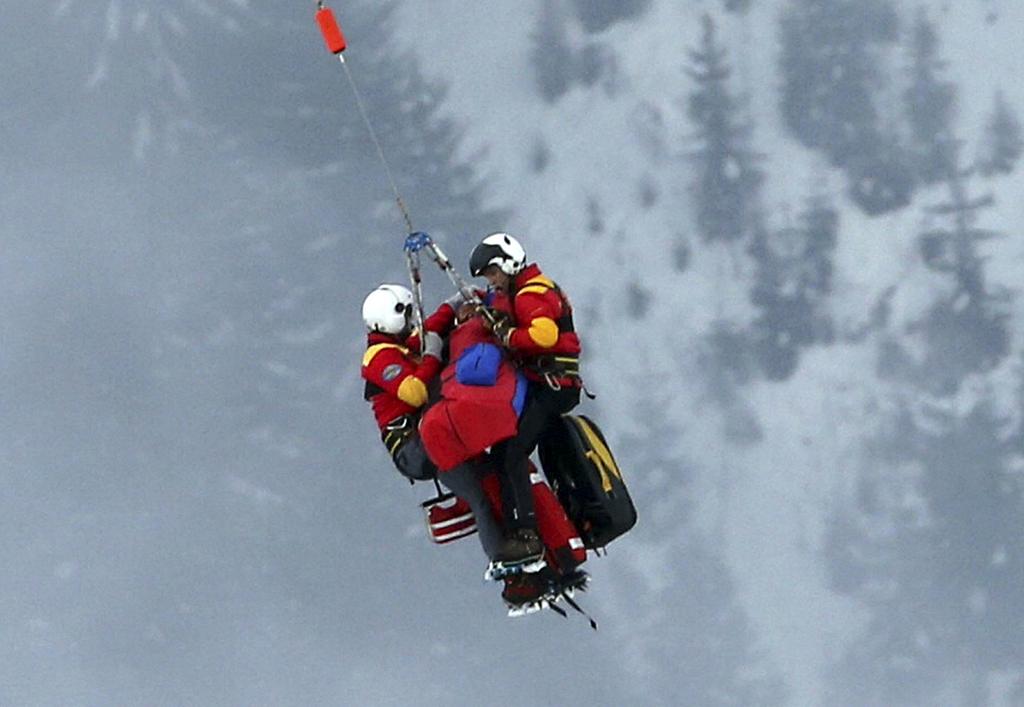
{"x":569,"y":583}
{"x":521,"y":553}
{"x":521,"y":547}
{"x":525,"y":593}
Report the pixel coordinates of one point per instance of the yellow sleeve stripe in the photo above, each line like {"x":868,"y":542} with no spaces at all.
{"x":377,"y":348}
{"x":544,"y":332}
{"x":412,"y":392}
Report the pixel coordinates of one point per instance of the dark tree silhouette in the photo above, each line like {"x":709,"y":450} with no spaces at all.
{"x":598,"y":15}
{"x":832,"y":53}
{"x":1003,"y":140}
{"x":937,"y":553}
{"x":792,"y":279}
{"x":727,"y":182}
{"x":552,"y":58}
{"x":930,"y":105}
{"x":966,"y":330}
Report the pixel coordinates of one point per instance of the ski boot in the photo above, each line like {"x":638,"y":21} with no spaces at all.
{"x":521,"y":553}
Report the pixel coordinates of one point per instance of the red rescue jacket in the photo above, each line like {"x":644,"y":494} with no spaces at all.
{"x":544,"y":332}
{"x":396,"y":379}
{"x":389,"y":362}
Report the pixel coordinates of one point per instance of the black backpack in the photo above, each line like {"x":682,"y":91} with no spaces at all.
{"x":583,"y":473}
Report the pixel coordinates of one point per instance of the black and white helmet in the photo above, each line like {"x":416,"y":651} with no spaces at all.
{"x":499,"y":249}
{"x":387,"y":309}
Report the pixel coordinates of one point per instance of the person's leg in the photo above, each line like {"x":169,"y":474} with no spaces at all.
{"x":511,"y":457}
{"x":523,"y":543}
{"x":412,"y":461}
{"x":464,"y":482}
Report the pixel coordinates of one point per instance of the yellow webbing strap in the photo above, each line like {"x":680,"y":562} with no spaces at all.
{"x":600,"y":455}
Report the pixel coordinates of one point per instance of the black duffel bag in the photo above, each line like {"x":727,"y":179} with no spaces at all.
{"x":587,"y":480}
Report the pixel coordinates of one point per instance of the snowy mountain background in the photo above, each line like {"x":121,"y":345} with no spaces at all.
{"x":790,"y":233}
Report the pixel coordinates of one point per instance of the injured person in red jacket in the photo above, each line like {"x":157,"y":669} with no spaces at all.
{"x":482,"y":395}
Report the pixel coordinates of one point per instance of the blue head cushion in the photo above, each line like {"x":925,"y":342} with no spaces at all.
{"x":478,"y":365}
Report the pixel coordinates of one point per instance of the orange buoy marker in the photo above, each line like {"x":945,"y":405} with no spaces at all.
{"x":330,"y":29}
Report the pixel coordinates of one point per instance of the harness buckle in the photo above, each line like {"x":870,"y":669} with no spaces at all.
{"x":399,"y":423}
{"x":552,"y":382}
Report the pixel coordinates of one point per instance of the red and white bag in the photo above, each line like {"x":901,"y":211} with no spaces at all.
{"x":448,"y":518}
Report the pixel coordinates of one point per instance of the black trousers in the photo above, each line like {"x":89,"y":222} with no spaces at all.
{"x":543,"y":407}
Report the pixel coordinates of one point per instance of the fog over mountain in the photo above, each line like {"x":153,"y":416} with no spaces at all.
{"x":790,"y":231}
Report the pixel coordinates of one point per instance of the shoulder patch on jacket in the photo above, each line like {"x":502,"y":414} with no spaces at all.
{"x":392,"y":372}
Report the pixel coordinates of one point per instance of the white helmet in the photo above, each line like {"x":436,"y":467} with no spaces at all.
{"x":387,"y":309}
{"x":499,"y":249}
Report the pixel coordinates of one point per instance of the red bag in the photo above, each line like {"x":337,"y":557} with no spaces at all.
{"x":448,"y":518}
{"x":559,"y":535}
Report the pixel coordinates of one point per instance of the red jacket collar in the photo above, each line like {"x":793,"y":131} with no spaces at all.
{"x":376,"y":337}
{"x":525,"y":275}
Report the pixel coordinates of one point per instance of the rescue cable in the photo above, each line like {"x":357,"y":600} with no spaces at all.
{"x":416,"y":241}
{"x":336,"y":44}
{"x":334,"y":38}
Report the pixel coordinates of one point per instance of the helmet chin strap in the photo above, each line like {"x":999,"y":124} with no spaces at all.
{"x":410,"y":327}
{"x":509,"y":285}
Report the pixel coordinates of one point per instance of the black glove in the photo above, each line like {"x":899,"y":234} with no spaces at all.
{"x":500,"y":324}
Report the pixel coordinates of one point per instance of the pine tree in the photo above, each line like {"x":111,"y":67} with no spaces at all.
{"x":882,"y":178}
{"x":552,"y":58}
{"x":791,"y":282}
{"x":930,"y":104}
{"x":596,"y":62}
{"x":136,"y":72}
{"x":727,"y":182}
{"x":934,"y":546}
{"x":726,"y":359}
{"x":832,"y":51}
{"x":598,"y":15}
{"x":965,"y":331}
{"x":938,"y":555}
{"x":1003,"y":140}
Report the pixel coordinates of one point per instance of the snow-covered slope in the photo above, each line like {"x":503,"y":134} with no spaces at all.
{"x":195,"y":496}
{"x":767,"y":503}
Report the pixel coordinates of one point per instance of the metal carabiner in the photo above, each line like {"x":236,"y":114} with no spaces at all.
{"x":552,"y":383}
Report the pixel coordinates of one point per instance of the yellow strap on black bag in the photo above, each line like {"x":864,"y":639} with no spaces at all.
{"x":587,"y":480}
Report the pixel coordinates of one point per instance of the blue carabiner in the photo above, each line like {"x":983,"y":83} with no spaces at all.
{"x":415,"y":242}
